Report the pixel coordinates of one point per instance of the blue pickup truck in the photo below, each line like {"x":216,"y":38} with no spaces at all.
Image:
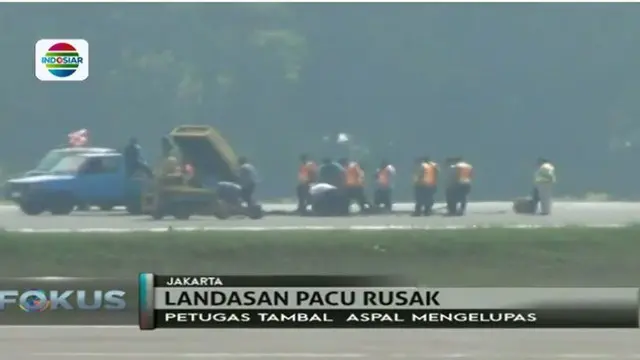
{"x":85,"y":178}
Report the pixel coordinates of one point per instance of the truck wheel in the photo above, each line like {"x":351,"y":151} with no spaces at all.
{"x":61,"y":205}
{"x":32,"y":208}
{"x":83,"y":207}
{"x":222,"y":214}
{"x":182,"y":213}
{"x":134,"y":208}
{"x":255,"y":212}
{"x":106,"y":207}
{"x":221,"y":211}
{"x":157,"y":215}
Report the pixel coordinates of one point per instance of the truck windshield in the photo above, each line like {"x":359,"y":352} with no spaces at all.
{"x":69,"y":164}
{"x":51,"y":159}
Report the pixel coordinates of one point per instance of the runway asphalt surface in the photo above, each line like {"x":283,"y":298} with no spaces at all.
{"x":123,"y":343}
{"x":130,"y":343}
{"x":479,"y":214}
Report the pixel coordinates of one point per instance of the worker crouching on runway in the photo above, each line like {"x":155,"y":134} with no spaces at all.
{"x":354,"y":184}
{"x":544,"y":180}
{"x":327,"y":200}
{"x":425,"y":185}
{"x":229,"y":192}
{"x":334,"y":174}
{"x":385,"y":176}
{"x":459,"y":186}
{"x":307,"y":174}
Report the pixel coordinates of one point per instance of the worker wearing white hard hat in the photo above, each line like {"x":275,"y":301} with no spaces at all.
{"x":544,"y":180}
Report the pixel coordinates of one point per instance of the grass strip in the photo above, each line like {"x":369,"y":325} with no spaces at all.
{"x":483,"y":257}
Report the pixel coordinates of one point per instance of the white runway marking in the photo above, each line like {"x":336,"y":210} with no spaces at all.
{"x":481,"y":215}
{"x":312,"y":228}
{"x":206,"y":355}
{"x":464,"y":356}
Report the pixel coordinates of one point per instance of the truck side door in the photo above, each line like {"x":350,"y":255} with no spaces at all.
{"x":101,"y":180}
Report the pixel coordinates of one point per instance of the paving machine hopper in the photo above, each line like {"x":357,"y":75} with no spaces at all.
{"x":207,"y":151}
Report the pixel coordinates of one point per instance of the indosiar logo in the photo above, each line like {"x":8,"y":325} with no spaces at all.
{"x":62,"y":60}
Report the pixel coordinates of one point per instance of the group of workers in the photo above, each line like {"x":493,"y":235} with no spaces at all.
{"x":457,"y":190}
{"x":332,"y":186}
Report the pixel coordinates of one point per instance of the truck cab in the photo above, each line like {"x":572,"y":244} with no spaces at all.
{"x":85,"y":178}
{"x":53,"y":157}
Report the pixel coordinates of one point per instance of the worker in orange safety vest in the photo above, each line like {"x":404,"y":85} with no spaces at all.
{"x":354,"y":184}
{"x":307,"y":174}
{"x":459,"y":186}
{"x":385,"y":176}
{"x":425,"y":186}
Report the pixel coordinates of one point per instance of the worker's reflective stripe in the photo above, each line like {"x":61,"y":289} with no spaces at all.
{"x":429,"y":177}
{"x":420,"y":178}
{"x":383,"y":176}
{"x":354,"y":175}
{"x":436,"y":167}
{"x":465,"y":172}
{"x":304,"y":174}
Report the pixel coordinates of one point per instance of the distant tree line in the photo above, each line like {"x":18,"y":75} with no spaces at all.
{"x":499,"y":83}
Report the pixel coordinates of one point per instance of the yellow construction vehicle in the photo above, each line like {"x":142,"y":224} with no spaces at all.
{"x":212,"y":160}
